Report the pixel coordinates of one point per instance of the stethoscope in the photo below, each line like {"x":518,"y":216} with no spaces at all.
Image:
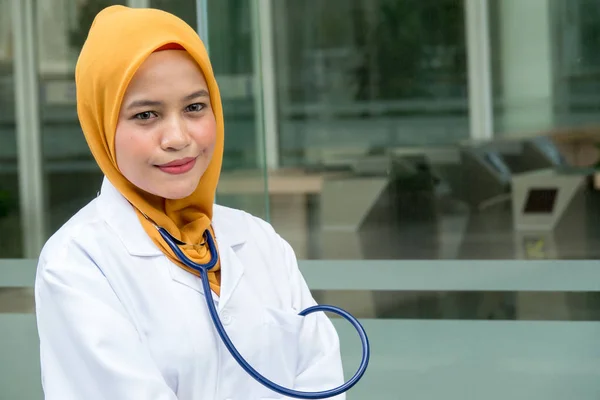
{"x":203,"y":269}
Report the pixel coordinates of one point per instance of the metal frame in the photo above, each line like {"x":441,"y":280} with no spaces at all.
{"x":31,"y":178}
{"x":257,"y":86}
{"x":266,"y":75}
{"x":138,"y":3}
{"x":201,"y":15}
{"x":259,"y":99}
{"x":202,"y":21}
{"x":265,"y":88}
{"x":527,"y":64}
{"x":5,"y":31}
{"x":409,"y":275}
{"x":479,"y":68}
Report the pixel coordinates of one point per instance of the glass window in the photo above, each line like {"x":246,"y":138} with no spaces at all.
{"x":362,"y":76}
{"x":71,"y":174}
{"x":367,"y":91}
{"x":184,"y":9}
{"x":545,"y":117}
{"x":376,"y":156}
{"x":578,"y":62}
{"x":233,"y":52}
{"x":546,"y":65}
{"x":10,"y":219}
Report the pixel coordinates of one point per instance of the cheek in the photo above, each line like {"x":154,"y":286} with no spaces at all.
{"x":131,"y":149}
{"x":204,"y":132}
{"x":122,"y":148}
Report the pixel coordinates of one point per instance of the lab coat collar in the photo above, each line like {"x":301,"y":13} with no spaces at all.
{"x":120,"y":216}
{"x":229,"y":240}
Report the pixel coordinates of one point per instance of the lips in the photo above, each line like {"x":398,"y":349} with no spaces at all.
{"x":178,"y":166}
{"x":178,"y":163}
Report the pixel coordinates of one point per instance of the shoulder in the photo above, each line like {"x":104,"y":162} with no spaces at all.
{"x":272,"y":258}
{"x":242,"y":227}
{"x":78,"y":238}
{"x":242,"y":223}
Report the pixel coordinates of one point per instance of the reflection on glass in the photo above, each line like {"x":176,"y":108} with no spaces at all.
{"x":10,"y":222}
{"x":373,"y":158}
{"x":366,"y":91}
{"x":375,"y":143}
{"x":362,"y":76}
{"x":578,"y":69}
{"x":465,"y":305}
{"x":184,"y":9}
{"x":16,"y":301}
{"x":72,"y":177}
{"x":242,"y":183}
{"x":546,"y":66}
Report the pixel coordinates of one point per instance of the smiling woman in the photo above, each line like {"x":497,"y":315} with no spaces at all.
{"x":153,"y":120}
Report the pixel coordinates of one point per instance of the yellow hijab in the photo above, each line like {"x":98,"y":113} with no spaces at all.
{"x":119,"y":41}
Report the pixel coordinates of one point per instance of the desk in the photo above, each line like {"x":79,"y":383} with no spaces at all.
{"x":292,"y":194}
{"x":578,"y":145}
{"x":280,"y":182}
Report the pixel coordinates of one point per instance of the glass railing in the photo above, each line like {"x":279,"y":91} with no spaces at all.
{"x":438,"y":329}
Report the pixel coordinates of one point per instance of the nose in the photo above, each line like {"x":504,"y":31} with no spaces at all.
{"x":175,"y":136}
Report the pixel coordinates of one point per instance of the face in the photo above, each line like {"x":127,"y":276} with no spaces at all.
{"x":166,"y":131}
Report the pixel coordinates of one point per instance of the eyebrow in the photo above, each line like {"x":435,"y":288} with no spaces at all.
{"x":154,"y":103}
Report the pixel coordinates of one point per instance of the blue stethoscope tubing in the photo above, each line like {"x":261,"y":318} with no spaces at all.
{"x":203,"y":269}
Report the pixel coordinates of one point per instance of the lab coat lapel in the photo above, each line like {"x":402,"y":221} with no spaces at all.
{"x":232,"y":271}
{"x":184,"y":277}
{"x":119,"y":214}
{"x":229,"y":239}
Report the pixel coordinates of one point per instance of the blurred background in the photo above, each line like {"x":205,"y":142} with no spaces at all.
{"x":362,"y":129}
{"x":410,"y":131}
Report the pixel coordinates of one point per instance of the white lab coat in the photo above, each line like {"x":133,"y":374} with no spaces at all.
{"x":118,"y":321}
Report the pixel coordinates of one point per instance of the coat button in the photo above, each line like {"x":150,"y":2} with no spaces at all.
{"x":226,"y":318}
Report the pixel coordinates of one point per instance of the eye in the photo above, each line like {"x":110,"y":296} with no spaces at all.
{"x":195,"y":107}
{"x":146,"y":115}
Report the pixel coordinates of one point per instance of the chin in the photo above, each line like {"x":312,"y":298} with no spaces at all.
{"x":171,"y":196}
{"x":179,"y":189}
{"x":176,"y":193}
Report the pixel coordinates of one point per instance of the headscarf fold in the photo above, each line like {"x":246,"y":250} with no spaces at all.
{"x":119,"y":41}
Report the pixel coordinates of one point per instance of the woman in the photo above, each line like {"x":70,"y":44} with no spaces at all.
{"x":119,"y":316}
